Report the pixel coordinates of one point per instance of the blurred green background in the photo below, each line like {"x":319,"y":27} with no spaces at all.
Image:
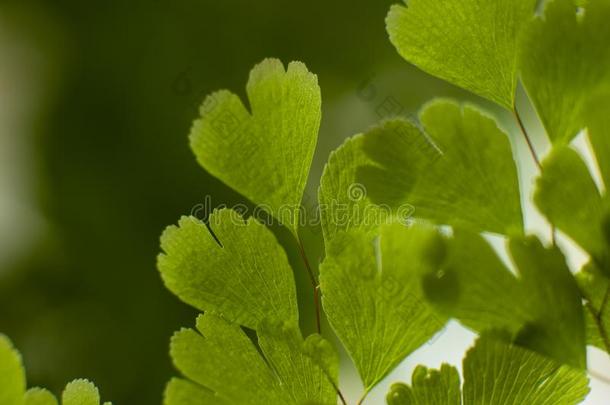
{"x":96,"y":101}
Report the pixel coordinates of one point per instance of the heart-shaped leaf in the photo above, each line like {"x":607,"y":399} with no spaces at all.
{"x":265,"y":153}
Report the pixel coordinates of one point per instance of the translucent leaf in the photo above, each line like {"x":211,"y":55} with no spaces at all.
{"x":540,"y":309}
{"x":377,"y":309}
{"x":221,"y":358}
{"x":556,"y":325}
{"x":565,"y":60}
{"x":308,"y":369}
{"x":472,"y":183}
{"x":80,"y":392}
{"x":12,"y":383}
{"x":567,"y":195}
{"x":39,"y":396}
{"x":344,"y":203}
{"x":240,"y":271}
{"x":183,"y":392}
{"x":265,"y":153}
{"x":495,"y":373}
{"x":598,"y":123}
{"x":596,"y":289}
{"x":471,"y":43}
{"x":428,"y":387}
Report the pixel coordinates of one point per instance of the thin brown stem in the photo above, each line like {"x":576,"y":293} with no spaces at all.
{"x":532,"y":150}
{"x":314,"y":284}
{"x":312,"y":278}
{"x":316,"y":300}
{"x":530,"y":144}
{"x":341,"y":397}
{"x":597,"y":316}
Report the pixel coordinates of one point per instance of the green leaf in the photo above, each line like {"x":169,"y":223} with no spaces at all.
{"x":428,"y":387}
{"x":308,"y":369}
{"x":474,"y":286}
{"x":240,"y":271}
{"x":343,"y":202}
{"x":12,"y":383}
{"x":226,"y":368}
{"x":564,"y":61}
{"x":596,"y":290}
{"x":183,"y":392}
{"x":598,"y":122}
{"x":540,"y":309}
{"x":495,"y":373}
{"x":265,"y":153}
{"x":39,"y":396}
{"x":471,"y":43}
{"x":557,"y":326}
{"x":81,"y":392}
{"x":472,"y":183}
{"x":567,"y":195}
{"x":377,"y":309}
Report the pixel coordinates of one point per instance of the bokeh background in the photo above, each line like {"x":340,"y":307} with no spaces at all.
{"x":96,"y":101}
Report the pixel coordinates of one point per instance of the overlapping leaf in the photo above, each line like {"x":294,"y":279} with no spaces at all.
{"x":224,"y":367}
{"x":428,"y":387}
{"x":264,"y":153}
{"x":240,"y":271}
{"x":540,"y":309}
{"x":472,"y":183}
{"x":564,"y":61}
{"x":13,"y":384}
{"x":567,"y":195}
{"x":596,"y":289}
{"x":344,"y":202}
{"x":495,"y":373}
{"x":377,"y":307}
{"x":471,"y":43}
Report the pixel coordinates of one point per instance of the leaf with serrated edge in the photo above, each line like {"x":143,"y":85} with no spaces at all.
{"x":378,"y":313}
{"x":495,"y":373}
{"x":565,"y":58}
{"x":472,"y":183}
{"x":265,"y":153}
{"x":343,"y":202}
{"x":540,"y":309}
{"x":471,"y":43}
{"x":227,"y":368}
{"x":80,"y":392}
{"x":39,"y":396}
{"x":308,"y":369}
{"x":246,"y":279}
{"x":567,"y":195}
{"x":428,"y":387}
